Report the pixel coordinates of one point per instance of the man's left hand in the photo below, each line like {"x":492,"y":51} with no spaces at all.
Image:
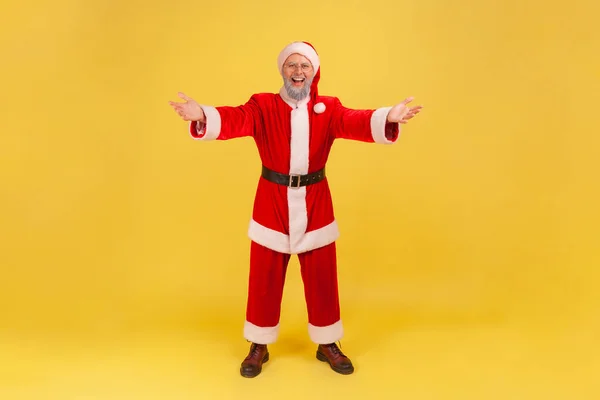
{"x":401,"y":112}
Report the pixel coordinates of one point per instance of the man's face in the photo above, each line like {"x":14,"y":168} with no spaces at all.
{"x":298,"y":74}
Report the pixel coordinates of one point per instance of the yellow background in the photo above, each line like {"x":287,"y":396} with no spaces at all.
{"x":469,"y":251}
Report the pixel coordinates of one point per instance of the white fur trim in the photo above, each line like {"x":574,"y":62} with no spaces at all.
{"x":317,"y":238}
{"x":298,"y":215}
{"x":299,"y":140}
{"x":281,"y":242}
{"x":269,"y":238}
{"x":319,"y":108}
{"x":326,"y":334}
{"x":260,"y":335}
{"x":378,"y":121}
{"x":213,"y":123}
{"x":299,"y":149}
{"x":300,"y":48}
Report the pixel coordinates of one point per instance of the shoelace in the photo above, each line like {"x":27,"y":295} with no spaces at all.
{"x":336,"y":350}
{"x":254,"y":349}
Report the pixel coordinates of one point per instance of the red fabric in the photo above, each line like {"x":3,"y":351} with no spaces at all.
{"x":392,"y":131}
{"x":267,"y":278}
{"x":194,"y":130}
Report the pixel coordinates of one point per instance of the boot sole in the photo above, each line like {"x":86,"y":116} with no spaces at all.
{"x":247,"y":375}
{"x":322,"y":357}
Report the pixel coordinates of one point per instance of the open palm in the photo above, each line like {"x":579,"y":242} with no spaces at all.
{"x":401,"y":112}
{"x":190,"y":110}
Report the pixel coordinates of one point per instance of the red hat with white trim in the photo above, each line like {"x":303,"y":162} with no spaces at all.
{"x":307,"y":50}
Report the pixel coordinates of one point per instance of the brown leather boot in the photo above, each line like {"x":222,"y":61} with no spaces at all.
{"x":252,"y":364}
{"x":337,"y":360}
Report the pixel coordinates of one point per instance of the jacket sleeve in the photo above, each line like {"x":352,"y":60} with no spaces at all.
{"x":363,"y":125}
{"x":227,"y":122}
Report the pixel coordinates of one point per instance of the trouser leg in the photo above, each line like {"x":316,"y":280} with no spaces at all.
{"x":319,"y":275}
{"x":265,"y":290}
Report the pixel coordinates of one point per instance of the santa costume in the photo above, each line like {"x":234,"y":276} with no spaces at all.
{"x":293,"y":210}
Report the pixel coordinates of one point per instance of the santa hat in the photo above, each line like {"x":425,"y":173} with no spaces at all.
{"x":307,"y":50}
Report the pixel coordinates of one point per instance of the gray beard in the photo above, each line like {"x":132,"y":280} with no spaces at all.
{"x":295,"y":93}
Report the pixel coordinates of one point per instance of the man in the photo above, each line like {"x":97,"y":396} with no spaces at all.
{"x":293,"y":211}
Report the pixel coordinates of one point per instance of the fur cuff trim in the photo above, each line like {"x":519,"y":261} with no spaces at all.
{"x":260,"y":335}
{"x":212,"y":129}
{"x":326,"y":334}
{"x":379,"y":124}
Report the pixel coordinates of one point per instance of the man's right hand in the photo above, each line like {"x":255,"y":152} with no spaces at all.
{"x":190,"y":110}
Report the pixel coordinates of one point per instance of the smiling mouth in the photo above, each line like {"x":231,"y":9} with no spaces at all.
{"x":298,"y":81}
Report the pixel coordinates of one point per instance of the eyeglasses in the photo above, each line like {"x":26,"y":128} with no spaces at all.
{"x":304,"y":66}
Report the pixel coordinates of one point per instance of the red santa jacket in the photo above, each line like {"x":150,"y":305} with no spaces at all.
{"x":294,"y":139}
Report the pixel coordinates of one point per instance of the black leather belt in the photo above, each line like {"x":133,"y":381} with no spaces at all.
{"x":293,"y":181}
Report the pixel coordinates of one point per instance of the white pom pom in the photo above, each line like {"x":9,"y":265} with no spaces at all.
{"x":319,"y":108}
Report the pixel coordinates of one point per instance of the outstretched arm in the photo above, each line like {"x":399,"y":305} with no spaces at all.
{"x":373,"y":126}
{"x":222,"y":123}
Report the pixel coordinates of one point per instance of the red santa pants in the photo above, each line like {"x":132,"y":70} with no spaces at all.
{"x":265,"y":291}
